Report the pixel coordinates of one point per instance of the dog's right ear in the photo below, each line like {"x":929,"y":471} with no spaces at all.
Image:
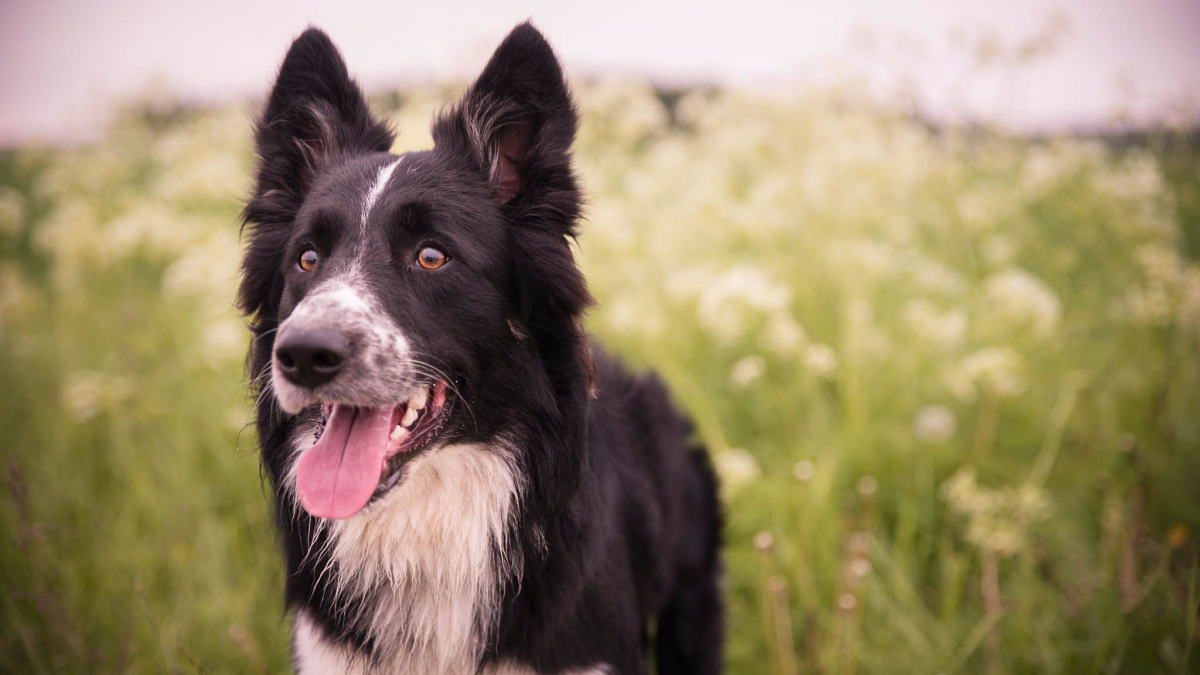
{"x":314,"y":112}
{"x":515,"y":125}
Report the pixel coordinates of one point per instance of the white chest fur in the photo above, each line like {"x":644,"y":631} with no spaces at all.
{"x":316,"y":656}
{"x":425,"y":556}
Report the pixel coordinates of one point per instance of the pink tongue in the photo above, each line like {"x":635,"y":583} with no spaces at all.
{"x":336,"y":477}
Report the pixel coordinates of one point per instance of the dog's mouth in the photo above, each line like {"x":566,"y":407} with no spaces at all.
{"x":360,"y":453}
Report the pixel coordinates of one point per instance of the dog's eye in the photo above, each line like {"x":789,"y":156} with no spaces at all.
{"x":309,"y":259}
{"x":430,"y":258}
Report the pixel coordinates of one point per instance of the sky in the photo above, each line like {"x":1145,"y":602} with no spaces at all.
{"x":64,"y":62}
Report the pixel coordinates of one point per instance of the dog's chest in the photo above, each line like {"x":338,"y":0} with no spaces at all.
{"x":314,"y":655}
{"x":427,"y":562}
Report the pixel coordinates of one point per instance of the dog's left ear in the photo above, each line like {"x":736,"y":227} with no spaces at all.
{"x":516,"y":122}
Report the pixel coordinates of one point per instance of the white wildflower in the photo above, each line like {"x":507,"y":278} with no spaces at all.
{"x":783,"y":335}
{"x":634,"y":315}
{"x":622,"y":314}
{"x":223,"y":340}
{"x":736,"y":469}
{"x":207,"y":270}
{"x":997,"y":519}
{"x":147,"y":228}
{"x":87,"y":392}
{"x":688,"y":282}
{"x":12,"y":210}
{"x":69,"y":231}
{"x":999,"y":370}
{"x":847,"y":602}
{"x":931,"y":276}
{"x":17,"y":297}
{"x":937,"y":329}
{"x":1166,"y":287}
{"x":1040,"y":173}
{"x":70,"y":235}
{"x":1158,"y":261}
{"x":1136,"y":178}
{"x":1047,"y":166}
{"x":999,"y":250}
{"x":729,"y":302}
{"x":764,"y":541}
{"x":1017,"y":296}
{"x":747,"y":372}
{"x":867,"y":257}
{"x":982,"y":209}
{"x":623,"y":111}
{"x":804,"y":470}
{"x":81,"y":396}
{"x":859,"y":568}
{"x":935,"y":424}
{"x":821,"y":360}
{"x":204,"y":178}
{"x":1149,"y":305}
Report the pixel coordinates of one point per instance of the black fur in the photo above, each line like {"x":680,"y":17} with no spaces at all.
{"x":618,"y":526}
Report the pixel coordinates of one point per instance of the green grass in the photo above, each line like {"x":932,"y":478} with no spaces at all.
{"x":950,"y":380}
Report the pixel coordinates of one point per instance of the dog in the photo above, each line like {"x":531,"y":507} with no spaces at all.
{"x":462,"y":483}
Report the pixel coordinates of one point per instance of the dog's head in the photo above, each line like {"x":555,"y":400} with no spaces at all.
{"x":406,"y":300}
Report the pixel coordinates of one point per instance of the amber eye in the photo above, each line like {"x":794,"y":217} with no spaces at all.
{"x":430,"y":258}
{"x":309,"y":260}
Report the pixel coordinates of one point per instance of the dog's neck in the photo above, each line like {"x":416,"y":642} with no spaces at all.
{"x":423,"y":567}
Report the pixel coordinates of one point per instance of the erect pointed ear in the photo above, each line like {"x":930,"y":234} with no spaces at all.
{"x":516,"y":122}
{"x":314,"y":111}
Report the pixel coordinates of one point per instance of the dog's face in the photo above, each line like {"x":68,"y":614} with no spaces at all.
{"x":393,"y":294}
{"x":393,"y":290}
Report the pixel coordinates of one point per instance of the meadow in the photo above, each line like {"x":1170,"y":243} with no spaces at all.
{"x":950,"y":378}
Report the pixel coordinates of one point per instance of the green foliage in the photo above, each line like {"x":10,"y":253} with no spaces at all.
{"x":949,"y":379}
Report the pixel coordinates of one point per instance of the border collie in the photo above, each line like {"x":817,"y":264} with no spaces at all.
{"x":462,"y":484}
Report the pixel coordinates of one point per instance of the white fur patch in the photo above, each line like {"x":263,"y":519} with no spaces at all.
{"x":511,"y":668}
{"x":381,"y":180}
{"x":312,"y":654}
{"x":316,"y":656}
{"x":379,"y":371}
{"x":424,"y":555}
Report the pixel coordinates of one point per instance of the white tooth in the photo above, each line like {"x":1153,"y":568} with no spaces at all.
{"x":410,"y":416}
{"x":417,"y":402}
{"x":397,"y":433}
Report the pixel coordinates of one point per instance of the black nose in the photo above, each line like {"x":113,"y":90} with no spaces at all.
{"x":310,"y":357}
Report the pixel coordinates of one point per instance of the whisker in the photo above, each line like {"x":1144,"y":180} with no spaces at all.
{"x":442,"y":375}
{"x":254,"y":381}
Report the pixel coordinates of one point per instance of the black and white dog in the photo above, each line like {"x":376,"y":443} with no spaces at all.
{"x":462,"y":484}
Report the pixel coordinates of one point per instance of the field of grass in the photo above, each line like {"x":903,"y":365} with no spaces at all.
{"x":950,"y":378}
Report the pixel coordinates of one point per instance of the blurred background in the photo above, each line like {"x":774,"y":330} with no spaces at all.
{"x":926,"y":274}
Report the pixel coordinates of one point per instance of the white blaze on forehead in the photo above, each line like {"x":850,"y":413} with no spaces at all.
{"x":381,"y":180}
